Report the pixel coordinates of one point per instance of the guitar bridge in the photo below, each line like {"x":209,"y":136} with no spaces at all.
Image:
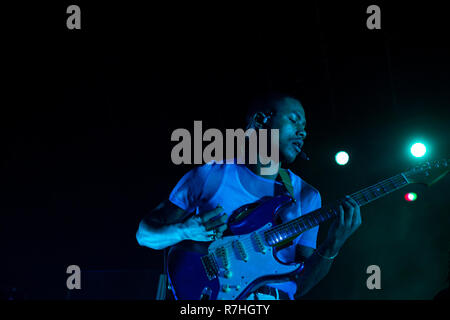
{"x":210,"y":266}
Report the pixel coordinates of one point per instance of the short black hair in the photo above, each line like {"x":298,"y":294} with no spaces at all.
{"x":266,"y":103}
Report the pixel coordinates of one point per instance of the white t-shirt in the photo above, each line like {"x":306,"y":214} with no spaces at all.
{"x":233,"y":185}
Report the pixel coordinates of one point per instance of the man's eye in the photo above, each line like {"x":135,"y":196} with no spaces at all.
{"x":293,"y":120}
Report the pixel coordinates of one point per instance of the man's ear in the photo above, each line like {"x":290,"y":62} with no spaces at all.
{"x":259,"y":120}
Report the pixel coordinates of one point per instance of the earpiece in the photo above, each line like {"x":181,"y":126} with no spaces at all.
{"x":259,"y":120}
{"x":265,"y":118}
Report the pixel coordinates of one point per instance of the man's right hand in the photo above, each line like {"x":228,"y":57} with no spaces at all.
{"x":206,"y":226}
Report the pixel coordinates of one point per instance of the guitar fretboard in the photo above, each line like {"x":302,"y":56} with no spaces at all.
{"x":289,"y":230}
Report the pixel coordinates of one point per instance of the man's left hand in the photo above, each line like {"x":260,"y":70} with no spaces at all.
{"x":348,"y":220}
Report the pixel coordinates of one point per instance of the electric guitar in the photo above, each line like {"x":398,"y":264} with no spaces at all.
{"x":234,"y":266}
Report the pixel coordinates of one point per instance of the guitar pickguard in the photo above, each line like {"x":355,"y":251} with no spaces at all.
{"x":239,"y":272}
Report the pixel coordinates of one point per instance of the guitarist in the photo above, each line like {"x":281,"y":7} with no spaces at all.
{"x":213,"y":191}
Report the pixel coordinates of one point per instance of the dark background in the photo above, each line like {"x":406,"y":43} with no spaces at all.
{"x":87,"y":116}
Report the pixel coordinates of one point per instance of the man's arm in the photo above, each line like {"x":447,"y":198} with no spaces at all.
{"x":167,"y":225}
{"x":315,"y":267}
{"x":317,"y":263}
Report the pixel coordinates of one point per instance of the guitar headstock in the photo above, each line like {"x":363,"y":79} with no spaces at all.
{"x":428,"y":172}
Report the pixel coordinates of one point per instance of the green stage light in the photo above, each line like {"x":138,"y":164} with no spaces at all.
{"x":418,"y":149}
{"x":341,"y":158}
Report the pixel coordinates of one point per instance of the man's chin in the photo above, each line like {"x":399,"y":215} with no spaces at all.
{"x":288,"y":158}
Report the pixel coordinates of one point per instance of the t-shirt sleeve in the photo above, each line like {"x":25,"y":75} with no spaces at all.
{"x":188,"y":192}
{"x":311,"y":203}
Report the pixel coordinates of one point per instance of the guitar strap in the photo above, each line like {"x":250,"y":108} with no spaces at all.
{"x":287,"y":182}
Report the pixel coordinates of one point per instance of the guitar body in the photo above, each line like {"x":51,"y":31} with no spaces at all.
{"x":234,"y":266}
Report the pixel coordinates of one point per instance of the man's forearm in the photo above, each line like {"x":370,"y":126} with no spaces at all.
{"x":317,"y":265}
{"x":159,"y":237}
{"x":315,"y":268}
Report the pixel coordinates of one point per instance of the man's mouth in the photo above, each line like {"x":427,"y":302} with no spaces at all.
{"x":298,"y":145}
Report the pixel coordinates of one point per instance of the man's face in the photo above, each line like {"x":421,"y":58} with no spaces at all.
{"x":290,"y":119}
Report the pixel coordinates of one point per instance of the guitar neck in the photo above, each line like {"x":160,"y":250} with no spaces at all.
{"x":289,"y":230}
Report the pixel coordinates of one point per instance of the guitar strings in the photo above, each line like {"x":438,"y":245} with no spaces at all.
{"x":246,"y":240}
{"x":284,"y":228}
{"x":356,"y":196}
{"x":360,"y":195}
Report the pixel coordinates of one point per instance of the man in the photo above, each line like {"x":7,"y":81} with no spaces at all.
{"x":213,"y":191}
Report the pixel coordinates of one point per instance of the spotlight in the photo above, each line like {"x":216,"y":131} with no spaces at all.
{"x":418,"y":149}
{"x":411,"y":196}
{"x":341,"y":158}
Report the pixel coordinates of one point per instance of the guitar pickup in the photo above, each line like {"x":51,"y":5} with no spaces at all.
{"x":258,"y":243}
{"x":237,"y":245}
{"x":222,"y":254}
{"x":210,"y":266}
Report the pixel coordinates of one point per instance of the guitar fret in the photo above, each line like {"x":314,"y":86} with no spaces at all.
{"x":365,"y":196}
{"x":359,"y":201}
{"x":289,"y":230}
{"x":273,"y":238}
{"x":394,"y":183}
{"x":278,"y":236}
{"x":296,"y":228}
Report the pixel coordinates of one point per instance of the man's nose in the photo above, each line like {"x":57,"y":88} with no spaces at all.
{"x":301,"y":133}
